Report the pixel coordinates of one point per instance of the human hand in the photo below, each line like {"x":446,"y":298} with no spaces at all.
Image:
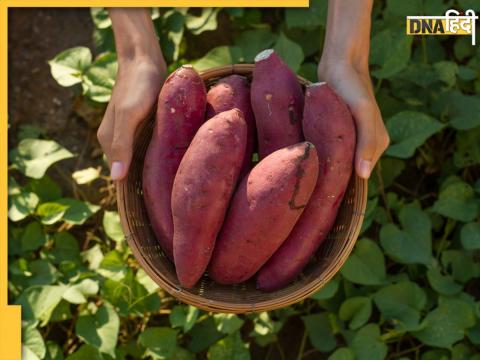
{"x":133,"y":98}
{"x":141,"y":72}
{"x":355,"y":88}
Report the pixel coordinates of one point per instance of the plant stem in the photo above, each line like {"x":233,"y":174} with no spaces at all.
{"x":382,"y":191}
{"x":280,"y":350}
{"x":302,"y":345}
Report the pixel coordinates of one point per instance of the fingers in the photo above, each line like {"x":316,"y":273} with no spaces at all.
{"x":105,"y":130}
{"x":372,"y":137}
{"x":125,"y":125}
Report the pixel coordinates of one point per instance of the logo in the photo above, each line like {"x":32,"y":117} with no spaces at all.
{"x":453,"y":23}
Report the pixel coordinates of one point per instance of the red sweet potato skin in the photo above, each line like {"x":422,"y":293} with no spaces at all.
{"x":263,"y":211}
{"x":328,"y":124}
{"x":277,"y":102}
{"x":234,"y":92}
{"x":202,"y":190}
{"x":180,"y":112}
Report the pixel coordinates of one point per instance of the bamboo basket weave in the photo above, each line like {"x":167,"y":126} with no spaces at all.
{"x":241,"y":298}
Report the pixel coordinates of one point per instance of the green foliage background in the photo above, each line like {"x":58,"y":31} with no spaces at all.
{"x":410,"y":289}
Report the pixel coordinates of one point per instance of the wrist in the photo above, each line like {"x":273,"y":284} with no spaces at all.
{"x":135,"y":38}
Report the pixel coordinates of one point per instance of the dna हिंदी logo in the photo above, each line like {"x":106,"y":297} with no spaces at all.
{"x":453,"y":23}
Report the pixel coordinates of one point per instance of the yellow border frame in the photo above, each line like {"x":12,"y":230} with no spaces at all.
{"x":10,"y":316}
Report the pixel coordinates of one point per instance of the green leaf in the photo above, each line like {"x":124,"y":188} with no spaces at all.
{"x":183,"y":316}
{"x":182,"y":354}
{"x":21,"y":205}
{"x":113,"y":266}
{"x":308,"y":71}
{"x":203,"y":334}
{"x":147,"y":282}
{"x":173,"y":22}
{"x":408,"y":130}
{"x":33,"y":237}
{"x":446,"y":324}
{"x":38,"y":302}
{"x":366,"y":265}
{"x":413,"y":244}
{"x":367,"y":344}
{"x":470,"y":236}
{"x":290,"y":52}
{"x":45,"y":188}
{"x":100,"y":329}
{"x":99,"y":79}
{"x":86,"y":352}
{"x":456,"y":201}
{"x":206,"y":21}
{"x":461,"y":265}
{"x":231,"y":347}
{"x":342,"y":353}
{"x":401,"y":302}
{"x":68,"y":66}
{"x":100,"y":18}
{"x":43,"y":273}
{"x":357,"y":310}
{"x":265,"y":328}
{"x":320,"y":331}
{"x":228,"y":323}
{"x":447,"y":71}
{"x":112,"y":226}
{"x":390,"y":50}
{"x":93,"y":257}
{"x":61,"y":312}
{"x":159,"y":341}
{"x":27,"y":131}
{"x":129,"y":296}
{"x":66,"y":248}
{"x":251,"y":42}
{"x":33,"y":156}
{"x":468,"y":148}
{"x":420,"y":74}
{"x":463,"y":110}
{"x":400,"y":9}
{"x":51,"y":212}
{"x":33,"y":346}
{"x":78,"y":293}
{"x":54,"y":351}
{"x":328,"y":291}
{"x":78,"y":211}
{"x":443,"y":284}
{"x":86,"y":176}
{"x":307,"y":18}
{"x":219,"y":56}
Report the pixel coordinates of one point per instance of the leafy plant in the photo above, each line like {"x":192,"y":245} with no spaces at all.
{"x":409,"y":290}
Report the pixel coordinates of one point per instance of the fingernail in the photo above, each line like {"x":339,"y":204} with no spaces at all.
{"x":365,"y":169}
{"x":116,"y":172}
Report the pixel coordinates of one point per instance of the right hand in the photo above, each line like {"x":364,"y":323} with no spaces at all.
{"x":133,"y":98}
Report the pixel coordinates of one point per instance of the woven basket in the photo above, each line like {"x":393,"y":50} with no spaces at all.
{"x":244,"y":297}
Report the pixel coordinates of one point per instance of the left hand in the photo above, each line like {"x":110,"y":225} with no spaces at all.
{"x":355,"y":87}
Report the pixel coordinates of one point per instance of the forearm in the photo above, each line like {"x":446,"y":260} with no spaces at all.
{"x":135,"y":35}
{"x":347,"y":37}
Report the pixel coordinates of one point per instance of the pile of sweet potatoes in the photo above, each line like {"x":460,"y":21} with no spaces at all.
{"x":212,"y":208}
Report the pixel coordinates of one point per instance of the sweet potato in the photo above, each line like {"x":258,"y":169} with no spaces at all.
{"x":277,"y":102}
{"x":263,"y":211}
{"x":180,"y":112}
{"x":202,"y":190}
{"x":234,"y":92}
{"x":328,"y":124}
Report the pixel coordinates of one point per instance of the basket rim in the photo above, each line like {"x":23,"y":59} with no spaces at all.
{"x":290,"y":298}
